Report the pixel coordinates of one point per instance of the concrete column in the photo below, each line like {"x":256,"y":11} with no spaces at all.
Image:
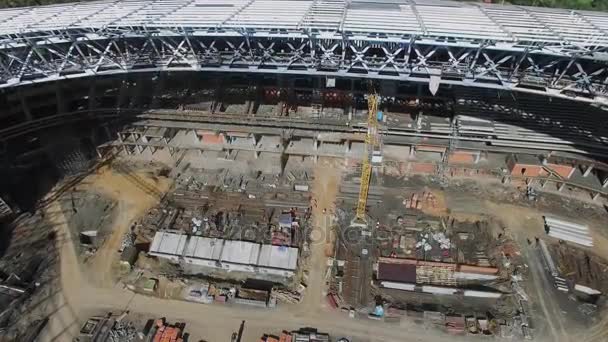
{"x":419,"y":120}
{"x":588,"y":171}
{"x":412,"y":152}
{"x":92,"y":96}
{"x":315,"y":144}
{"x":477,"y":157}
{"x":543,"y":183}
{"x":60,"y":98}
{"x":194,"y":137}
{"x":256,"y":154}
{"x":315,"y":158}
{"x":159,"y":88}
{"x":561,"y":186}
{"x":605,"y":184}
{"x":253,"y":140}
{"x":571,"y":173}
{"x":26,"y":108}
{"x":282,"y":86}
{"x":122,"y":93}
{"x":248,"y":107}
{"x":506,"y":180}
{"x":139,"y":92}
{"x":595,"y":196}
{"x":347,"y":146}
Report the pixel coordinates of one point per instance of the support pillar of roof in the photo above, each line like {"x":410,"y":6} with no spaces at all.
{"x":218,"y":93}
{"x":108,"y":132}
{"x":60,"y":98}
{"x":122,"y":92}
{"x":139,"y":92}
{"x":24,"y":106}
{"x":92,"y":95}
{"x":159,"y":88}
{"x":588,"y":170}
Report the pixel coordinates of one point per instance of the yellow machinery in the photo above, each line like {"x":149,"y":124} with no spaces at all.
{"x":371,"y":144}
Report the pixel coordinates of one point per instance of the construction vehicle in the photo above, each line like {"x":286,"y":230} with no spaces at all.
{"x":373,"y":156}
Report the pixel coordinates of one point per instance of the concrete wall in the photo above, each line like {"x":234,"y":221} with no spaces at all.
{"x":463,"y":157}
{"x":201,"y":262}
{"x":228,"y":266}
{"x":171,"y":258}
{"x":210,"y":137}
{"x":423,"y":168}
{"x":273,"y":271}
{"x":565,"y":171}
{"x":527,"y":170}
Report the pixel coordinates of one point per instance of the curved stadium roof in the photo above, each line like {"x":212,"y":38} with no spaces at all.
{"x":368,"y":19}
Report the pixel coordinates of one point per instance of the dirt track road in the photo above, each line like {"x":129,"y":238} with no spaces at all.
{"x":544,"y":293}
{"x":80,"y":297}
{"x":324,"y":189}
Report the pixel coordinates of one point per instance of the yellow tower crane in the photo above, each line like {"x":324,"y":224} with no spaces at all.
{"x":372,"y":143}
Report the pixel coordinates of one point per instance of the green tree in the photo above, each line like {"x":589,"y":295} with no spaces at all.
{"x":594,"y":5}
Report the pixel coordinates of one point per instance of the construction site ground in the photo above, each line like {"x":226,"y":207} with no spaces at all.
{"x":75,"y":289}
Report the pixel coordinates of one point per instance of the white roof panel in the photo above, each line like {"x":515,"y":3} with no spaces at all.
{"x":281,"y":257}
{"x":286,"y":14}
{"x":204,"y":248}
{"x":168,"y":243}
{"x":240,"y":252}
{"x":201,"y":13}
{"x":81,"y":11}
{"x":460,"y":22}
{"x":422,"y":18}
{"x":373,"y":18}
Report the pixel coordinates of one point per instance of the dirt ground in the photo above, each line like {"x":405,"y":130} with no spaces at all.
{"x":79,"y":296}
{"x":327,"y":177}
{"x":133,"y":198}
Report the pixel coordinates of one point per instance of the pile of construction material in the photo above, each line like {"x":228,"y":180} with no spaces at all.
{"x":419,"y":201}
{"x":560,"y":283}
{"x":302,"y":335}
{"x":163,"y":332}
{"x":128,"y":240}
{"x":287,"y":296}
{"x":568,"y":231}
{"x":108,"y":329}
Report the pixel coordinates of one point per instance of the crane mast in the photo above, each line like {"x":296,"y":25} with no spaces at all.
{"x":372,"y":143}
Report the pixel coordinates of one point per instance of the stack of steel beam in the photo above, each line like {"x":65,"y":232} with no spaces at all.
{"x":568,"y":231}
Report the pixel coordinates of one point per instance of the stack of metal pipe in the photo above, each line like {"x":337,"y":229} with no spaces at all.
{"x":568,"y":231}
